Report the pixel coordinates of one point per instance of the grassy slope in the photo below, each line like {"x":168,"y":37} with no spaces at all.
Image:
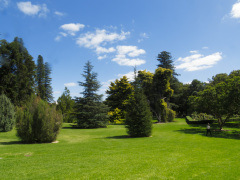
{"x":176,"y":151}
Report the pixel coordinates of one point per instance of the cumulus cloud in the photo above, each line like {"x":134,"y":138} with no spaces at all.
{"x":198,"y":61}
{"x":142,"y":37}
{"x":130,"y":75}
{"x":72,"y":28}
{"x":30,"y":9}
{"x":100,"y":37}
{"x":71,"y":84}
{"x":235,"y":13}
{"x":101,"y":50}
{"x":124,"y":53}
{"x":194,"y":52}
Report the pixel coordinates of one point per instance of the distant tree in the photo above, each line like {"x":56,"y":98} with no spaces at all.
{"x":165,"y":61}
{"x":17,"y":71}
{"x":65,"y":104}
{"x":43,"y":80}
{"x":119,"y":93}
{"x":157,"y":88}
{"x":7,"y":114}
{"x":90,"y":111}
{"x":41,"y":90}
{"x":220,"y":100}
{"x":138,"y":117}
{"x":48,"y":83}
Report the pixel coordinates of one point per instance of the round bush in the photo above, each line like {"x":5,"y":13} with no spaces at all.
{"x":7,"y":114}
{"x":38,"y":122}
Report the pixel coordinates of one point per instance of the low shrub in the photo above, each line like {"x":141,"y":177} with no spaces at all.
{"x":170,"y":115}
{"x":38,"y":122}
{"x":7,"y":114}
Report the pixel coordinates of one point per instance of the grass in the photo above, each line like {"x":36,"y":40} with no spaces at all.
{"x":175,"y":151}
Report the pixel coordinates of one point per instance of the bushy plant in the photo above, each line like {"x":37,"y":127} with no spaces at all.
{"x":115,"y":116}
{"x":7,"y":114}
{"x":139,"y":117}
{"x":201,"y":116}
{"x":170,"y":115}
{"x":38,"y":122}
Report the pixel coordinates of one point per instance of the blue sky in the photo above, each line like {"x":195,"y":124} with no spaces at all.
{"x":203,"y":36}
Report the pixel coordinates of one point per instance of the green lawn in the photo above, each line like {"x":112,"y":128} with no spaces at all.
{"x":175,"y":151}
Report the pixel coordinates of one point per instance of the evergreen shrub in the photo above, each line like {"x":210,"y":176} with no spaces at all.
{"x":38,"y":122}
{"x":139,"y":117}
{"x":7,"y":114}
{"x":170,"y":115}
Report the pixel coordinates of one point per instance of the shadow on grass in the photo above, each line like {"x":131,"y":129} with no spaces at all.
{"x":228,"y":134}
{"x":11,"y":143}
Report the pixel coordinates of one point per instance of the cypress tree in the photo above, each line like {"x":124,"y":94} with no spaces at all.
{"x":48,"y":83}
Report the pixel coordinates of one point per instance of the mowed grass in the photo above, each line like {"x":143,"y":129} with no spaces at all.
{"x":175,"y":151}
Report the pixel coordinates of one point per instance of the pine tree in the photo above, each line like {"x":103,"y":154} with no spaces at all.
{"x":138,"y":117}
{"x":90,"y":111}
{"x":48,"y":82}
{"x":41,"y":90}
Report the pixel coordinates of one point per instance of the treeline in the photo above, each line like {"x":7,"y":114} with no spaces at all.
{"x":26,"y":97}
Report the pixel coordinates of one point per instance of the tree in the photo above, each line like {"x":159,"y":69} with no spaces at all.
{"x":119,"y":93}
{"x":221,"y":100}
{"x":17,"y":71}
{"x":48,"y":83}
{"x":38,"y":122}
{"x":165,"y":61}
{"x":157,"y":88}
{"x":7,"y":114}
{"x":138,"y":117}
{"x":41,"y":90}
{"x":90,"y":111}
{"x":65,"y":104}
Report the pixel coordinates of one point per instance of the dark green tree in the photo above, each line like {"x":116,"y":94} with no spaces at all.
{"x":65,"y":104}
{"x":41,"y":90}
{"x":138,"y":117}
{"x":7,"y":114}
{"x":90,"y":111}
{"x":48,"y":83}
{"x":17,"y":71}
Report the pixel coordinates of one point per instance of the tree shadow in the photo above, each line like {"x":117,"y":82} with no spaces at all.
{"x":11,"y":143}
{"x":227,"y":134}
{"x":119,"y":137}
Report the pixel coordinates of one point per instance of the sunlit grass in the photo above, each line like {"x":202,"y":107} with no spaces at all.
{"x":175,"y":151}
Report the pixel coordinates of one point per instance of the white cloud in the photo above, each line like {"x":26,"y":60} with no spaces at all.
{"x":71,"y":84}
{"x":100,"y":50}
{"x":198,"y":61}
{"x":143,"y":36}
{"x":205,"y":47}
{"x":100,"y":37}
{"x":123,"y":54}
{"x":235,"y":13}
{"x":59,"y":13}
{"x":102,"y":57}
{"x":30,"y":9}
{"x":194,"y":52}
{"x":72,"y":28}
{"x":129,"y":75}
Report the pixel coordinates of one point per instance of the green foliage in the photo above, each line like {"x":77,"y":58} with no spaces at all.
{"x":7,"y":114}
{"x":139,"y":117}
{"x":170,"y":115}
{"x":38,"y":122}
{"x":119,"y":93}
{"x":115,"y":116}
{"x":65,"y":104}
{"x":90,"y":111}
{"x":201,"y":116}
{"x":17,"y":71}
